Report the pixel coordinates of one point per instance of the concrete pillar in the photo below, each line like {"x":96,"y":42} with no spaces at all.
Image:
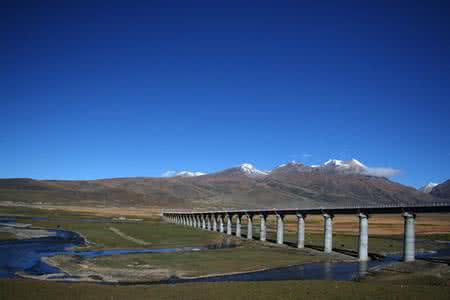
{"x":220,"y":217}
{"x":280,"y":229}
{"x":229,"y":220}
{"x":208,"y":222}
{"x":194,"y":223}
{"x":328,"y":233}
{"x":214,"y":221}
{"x":300,"y":230}
{"x":203,"y":222}
{"x":262,"y":230}
{"x":363,"y":237}
{"x":189,"y":220}
{"x":249,"y":227}
{"x":199,"y":224}
{"x":409,"y":237}
{"x":238,"y":225}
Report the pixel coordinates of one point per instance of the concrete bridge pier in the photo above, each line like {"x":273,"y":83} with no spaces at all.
{"x":363,"y":237}
{"x":198,"y":221}
{"x":409,"y":238}
{"x":203,"y":222}
{"x":280,"y":229}
{"x":328,"y":233}
{"x":214,"y":221}
{"x":208,"y":222}
{"x":220,"y":218}
{"x":191,"y":221}
{"x":238,"y":225}
{"x":194,"y":219}
{"x":229,"y":231}
{"x":263,"y":230}
{"x":300,"y":230}
{"x":249,"y":227}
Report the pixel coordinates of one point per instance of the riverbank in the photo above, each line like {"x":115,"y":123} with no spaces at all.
{"x":14,"y":231}
{"x":412,"y":273}
{"x":155,"y":267}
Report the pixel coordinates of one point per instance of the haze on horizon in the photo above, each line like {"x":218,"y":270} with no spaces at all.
{"x":101,"y":89}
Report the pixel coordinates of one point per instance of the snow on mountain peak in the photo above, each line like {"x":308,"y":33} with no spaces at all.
{"x":352,"y":166}
{"x":250,"y":170}
{"x":290,"y":163}
{"x":358,"y":163}
{"x":428,"y":188}
{"x":181,"y":174}
{"x":189,"y":174}
{"x":333,"y":162}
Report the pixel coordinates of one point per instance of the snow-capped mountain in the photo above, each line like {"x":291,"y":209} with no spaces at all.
{"x":347,"y":166}
{"x":189,"y":174}
{"x":428,"y":188}
{"x":250,"y":170}
{"x":182,"y":174}
{"x":336,"y":166}
{"x":332,"y":166}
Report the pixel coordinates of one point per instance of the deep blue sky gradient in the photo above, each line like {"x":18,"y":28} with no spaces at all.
{"x":97,"y":89}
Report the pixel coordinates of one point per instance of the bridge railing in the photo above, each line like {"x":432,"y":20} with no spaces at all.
{"x":322,"y":207}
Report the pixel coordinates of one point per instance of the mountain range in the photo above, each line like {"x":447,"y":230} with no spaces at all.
{"x":428,"y":188}
{"x":333,"y":183}
{"x":442,"y":190}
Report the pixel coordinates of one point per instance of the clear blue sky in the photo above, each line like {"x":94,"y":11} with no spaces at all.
{"x":93,"y":89}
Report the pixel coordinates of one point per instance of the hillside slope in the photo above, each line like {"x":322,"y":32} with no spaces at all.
{"x":292,"y":185}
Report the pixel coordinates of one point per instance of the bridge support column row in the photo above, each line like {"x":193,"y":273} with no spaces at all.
{"x":216,"y":222}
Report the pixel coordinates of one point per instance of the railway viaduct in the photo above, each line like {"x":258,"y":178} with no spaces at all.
{"x":221,"y":221}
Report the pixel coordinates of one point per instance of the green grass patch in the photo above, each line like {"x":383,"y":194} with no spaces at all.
{"x":250,"y":256}
{"x":156,"y":233}
{"x":7,"y":236}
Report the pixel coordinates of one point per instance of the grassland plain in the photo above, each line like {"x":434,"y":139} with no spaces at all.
{"x":36,"y":290}
{"x":250,"y":255}
{"x":6,"y":236}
